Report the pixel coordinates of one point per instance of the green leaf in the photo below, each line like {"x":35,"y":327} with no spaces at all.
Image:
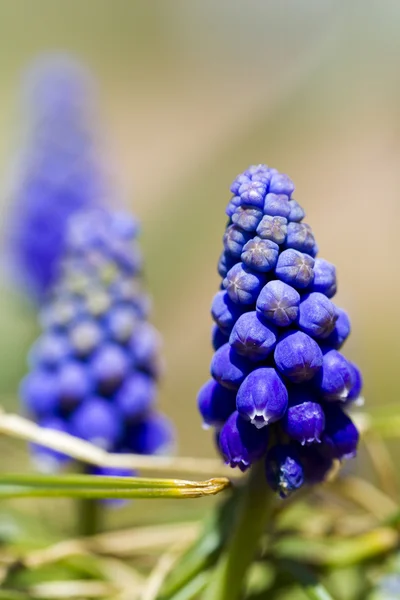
{"x":94,"y":486}
{"x":309,"y":583}
{"x":205,"y":551}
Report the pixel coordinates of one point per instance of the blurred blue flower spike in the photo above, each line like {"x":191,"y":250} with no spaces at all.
{"x":280,"y":386}
{"x":58,"y":172}
{"x":95,"y":367}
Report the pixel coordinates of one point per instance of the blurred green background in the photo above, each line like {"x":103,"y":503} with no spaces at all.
{"x":190,"y":94}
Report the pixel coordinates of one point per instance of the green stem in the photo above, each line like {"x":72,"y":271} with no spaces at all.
{"x":89,"y":512}
{"x":252,"y":517}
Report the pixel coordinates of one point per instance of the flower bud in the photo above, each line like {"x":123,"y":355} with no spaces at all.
{"x":279,"y":303}
{"x":39,"y":392}
{"x":253,"y":193}
{"x":340,"y":438}
{"x":281,"y":184}
{"x":273,"y":228}
{"x":219,"y":337}
{"x":74,"y":384}
{"x":242,"y":284}
{"x":240,"y":443}
{"x":247,"y":218}
{"x":324,"y":278}
{"x":284,"y":470}
{"x":152,"y":435}
{"x":260,"y":255}
{"x":298,"y":357}
{"x":304,"y":420}
{"x":224,"y":311}
{"x":335,"y":380}
{"x":295,"y":268}
{"x":251,"y":338}
{"x":136,"y":396}
{"x":340,"y":332}
{"x":317,"y":315}
{"x":262,"y":397}
{"x":234,"y":240}
{"x":228,"y":368}
{"x":277,"y":205}
{"x":296,"y":214}
{"x":215,"y":403}
{"x":97,"y":421}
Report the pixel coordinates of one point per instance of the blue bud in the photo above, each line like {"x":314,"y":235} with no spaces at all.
{"x":232,"y":206}
{"x":357,"y":384}
{"x":277,"y":205}
{"x":120,"y":323}
{"x":39,"y":392}
{"x":226,"y":262}
{"x":136,"y":396}
{"x":304,"y":420}
{"x":153,"y":435}
{"x":300,"y":237}
{"x":297,"y":214}
{"x":108,"y":367}
{"x":284,"y":470}
{"x":145,"y":347}
{"x":317,"y":315}
{"x":247,"y":218}
{"x":50,"y":349}
{"x":324,"y":278}
{"x":298,"y":357}
{"x":74,"y":384}
{"x":98,"y":303}
{"x":229,"y":368}
{"x":61,"y":313}
{"x":216,"y":403}
{"x":281,"y":184}
{"x":341,"y":330}
{"x":219,"y":337}
{"x":273,"y":228}
{"x":240,"y":443}
{"x":97,"y":421}
{"x":260,"y":255}
{"x":251,"y":338}
{"x":253,"y":193}
{"x":240,"y":179}
{"x":340,"y":438}
{"x":242,"y":284}
{"x":259,"y":171}
{"x":85,"y":336}
{"x":279,"y":303}
{"x":335,"y":380}
{"x":262,"y":398}
{"x":295,"y":268}
{"x":234,"y":240}
{"x":223,"y":311}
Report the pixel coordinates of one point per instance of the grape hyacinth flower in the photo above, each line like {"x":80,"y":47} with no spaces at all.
{"x":94,"y":369}
{"x":280,"y":386}
{"x":58,"y":173}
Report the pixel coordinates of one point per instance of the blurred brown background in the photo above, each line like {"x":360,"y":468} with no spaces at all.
{"x":190,"y":94}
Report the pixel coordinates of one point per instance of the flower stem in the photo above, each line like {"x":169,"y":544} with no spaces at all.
{"x":89,"y":512}
{"x":252,"y":516}
{"x":89,"y":516}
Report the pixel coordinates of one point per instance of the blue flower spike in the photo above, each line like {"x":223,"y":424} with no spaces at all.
{"x":59,"y":173}
{"x":94,"y":369}
{"x":280,"y":388}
